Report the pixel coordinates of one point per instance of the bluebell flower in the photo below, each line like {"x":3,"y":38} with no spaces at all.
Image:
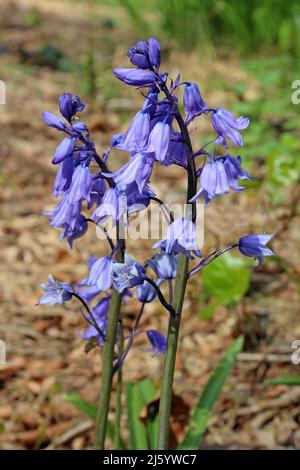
{"x":101,"y":273}
{"x":194,"y":105}
{"x":79,"y":126}
{"x":150,"y":102}
{"x":56,"y":292}
{"x":100,"y":314}
{"x":88,"y":293}
{"x":111,"y":206}
{"x":145,"y":54}
{"x":227,"y":127}
{"x":98,"y":189}
{"x":146,"y":292}
{"x":158,"y":342}
{"x":116,"y":140}
{"x":138,"y":169}
{"x":139,"y":55}
{"x":65,"y":213}
{"x":63,"y":177}
{"x":180,"y":238}
{"x":81,"y":185}
{"x":76,"y":231}
{"x":135,"y":77}
{"x":159,"y":140}
{"x":53,"y":121}
{"x":164,"y":265}
{"x":255,"y":246}
{"x":176,"y":154}
{"x":136,"y":137}
{"x":64,"y":150}
{"x":137,"y":201}
{"x":154,"y":53}
{"x":69,"y":105}
{"x":127,"y":274}
{"x":219,"y":175}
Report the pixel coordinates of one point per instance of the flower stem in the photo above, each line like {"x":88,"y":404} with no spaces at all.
{"x":170,"y":357}
{"x":107,"y":375}
{"x":119,"y":395}
{"x":179,"y":293}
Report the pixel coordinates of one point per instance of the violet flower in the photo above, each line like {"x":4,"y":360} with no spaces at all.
{"x":127,"y":274}
{"x":254,"y":246}
{"x":159,"y":140}
{"x":64,"y":150}
{"x":146,"y":292}
{"x":111,"y":206}
{"x":69,"y":105}
{"x":145,"y":54}
{"x":63,"y":177}
{"x":138,"y":169}
{"x":164,"y":265}
{"x":180,"y":238}
{"x":194,"y":105}
{"x":56,"y":292}
{"x":136,"y":137}
{"x":227,"y":127}
{"x":219,"y":175}
{"x":135,"y":77}
{"x":81,"y":185}
{"x":101,"y":273}
{"x":53,"y":121}
{"x":158,"y":342}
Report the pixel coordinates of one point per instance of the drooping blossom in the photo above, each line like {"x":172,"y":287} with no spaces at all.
{"x":138,"y":169}
{"x":220,"y":175}
{"x":158,"y":342}
{"x":164,"y":265}
{"x":127,"y":274}
{"x":193,"y":103}
{"x":101,"y":273}
{"x":254,"y":246}
{"x":56,"y":292}
{"x":180,"y":238}
{"x":146,"y":292}
{"x":159,"y":140}
{"x":227,"y":127}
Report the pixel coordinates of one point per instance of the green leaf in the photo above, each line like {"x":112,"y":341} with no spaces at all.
{"x":210,"y":394}
{"x":91,"y":411}
{"x":283,"y":168}
{"x":226,"y":280}
{"x":288,"y":380}
{"x":86,"y":407}
{"x":139,"y":395}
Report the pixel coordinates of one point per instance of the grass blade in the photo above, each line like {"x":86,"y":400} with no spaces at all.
{"x":288,"y":380}
{"x":91,"y":411}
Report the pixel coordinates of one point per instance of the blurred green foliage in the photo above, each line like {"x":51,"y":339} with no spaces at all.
{"x":244,"y":25}
{"x":225,"y":281}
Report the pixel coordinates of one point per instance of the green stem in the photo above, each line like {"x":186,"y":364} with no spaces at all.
{"x":108,"y":354}
{"x":170,"y":357}
{"x":119,"y":394}
{"x":107,"y":374}
{"x":180,"y":287}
